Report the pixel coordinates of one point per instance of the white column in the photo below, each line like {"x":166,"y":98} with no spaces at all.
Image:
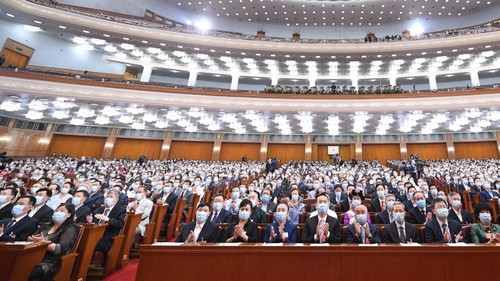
{"x":312,"y":82}
{"x":146,"y":73}
{"x":193,"y":75}
{"x":274,"y":80}
{"x":392,"y":80}
{"x":355,"y":83}
{"x":234,"y":82}
{"x":432,"y":82}
{"x":474,"y":78}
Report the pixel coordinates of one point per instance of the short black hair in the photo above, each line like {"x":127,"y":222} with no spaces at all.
{"x":12,"y":190}
{"x":48,"y":191}
{"x":482,"y":207}
{"x":85,"y":193}
{"x":32,"y":199}
{"x":245,"y":202}
{"x":437,"y":200}
{"x":219,"y":194}
{"x":204,"y":204}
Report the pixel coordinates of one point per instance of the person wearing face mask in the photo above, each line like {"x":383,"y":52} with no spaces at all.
{"x":167,"y":196}
{"x":487,"y":194}
{"x":243,"y":230}
{"x":485,"y":231}
{"x":41,"y":211}
{"x":219,"y":214}
{"x":441,"y":229}
{"x":421,"y":214}
{"x":357,"y":198}
{"x":338,"y":197}
{"x":266,"y":204}
{"x":456,"y":211}
{"x":113,"y":215}
{"x":233,"y":202}
{"x":20,"y":226}
{"x":432,"y":194}
{"x":201,"y":230}
{"x":361,"y":231}
{"x":141,"y":205}
{"x":64,"y":194}
{"x":61,"y":233}
{"x":477,"y":186}
{"x":322,"y":228}
{"x":258,"y":215}
{"x":386,"y":216}
{"x":81,"y":212}
{"x":185,"y":192}
{"x":400,"y":231}
{"x":378,"y":204}
{"x":7,"y":197}
{"x":295,"y":202}
{"x":282,"y":230}
{"x":96,"y":197}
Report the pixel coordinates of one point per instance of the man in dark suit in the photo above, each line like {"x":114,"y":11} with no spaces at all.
{"x":266,"y":204}
{"x":113,"y":215}
{"x":41,"y":211}
{"x":339,"y":197}
{"x":20,"y":226}
{"x":385,"y":217}
{"x":258,"y":215}
{"x":378,"y":204}
{"x":421,"y":213}
{"x":167,"y":196}
{"x":96,"y":197}
{"x":322,"y":228}
{"x":456,"y":211}
{"x":81,"y":212}
{"x":361,"y":231}
{"x":185,"y":192}
{"x":487,"y":194}
{"x":441,"y":229}
{"x":201,"y":230}
{"x":402,"y":190}
{"x":7,"y":195}
{"x":219,"y":214}
{"x":400,"y":231}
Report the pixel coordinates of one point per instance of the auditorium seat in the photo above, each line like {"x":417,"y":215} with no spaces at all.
{"x":68,"y":260}
{"x":221,"y":232}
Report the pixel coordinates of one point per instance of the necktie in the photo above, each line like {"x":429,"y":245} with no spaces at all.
{"x":9,"y":226}
{"x":363,"y":235}
{"x":445,"y":229}
{"x":383,"y":205}
{"x":338,"y":200}
{"x":215,"y":216}
{"x":402,"y":237}
{"x":182,"y":194}
{"x":323,"y":234}
{"x":391,"y":218}
{"x":423,"y":213}
{"x":106,"y":213}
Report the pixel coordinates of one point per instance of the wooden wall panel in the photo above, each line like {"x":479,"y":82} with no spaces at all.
{"x":133,"y":148}
{"x":381,"y":152}
{"x":233,"y":151}
{"x":24,"y":142}
{"x":476,"y":150}
{"x":77,"y":146}
{"x":286,"y":152}
{"x":191,"y":150}
{"x":14,"y":58}
{"x":428,"y":151}
{"x":320,"y":152}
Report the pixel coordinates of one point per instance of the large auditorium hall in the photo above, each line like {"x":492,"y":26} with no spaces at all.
{"x":232,"y":139}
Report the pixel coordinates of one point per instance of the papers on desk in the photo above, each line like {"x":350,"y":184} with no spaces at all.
{"x":273,"y":244}
{"x":229,"y":244}
{"x":368,"y":245}
{"x":19,"y":243}
{"x":168,"y":244}
{"x":410,"y":244}
{"x":460,"y":244}
{"x":298,"y":244}
{"x":319,"y":245}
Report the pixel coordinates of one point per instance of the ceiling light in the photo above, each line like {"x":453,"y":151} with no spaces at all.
{"x":97,"y":41}
{"x":31,"y":28}
{"x":9,"y":105}
{"x":60,"y":114}
{"x":34,"y":115}
{"x":10,"y":15}
{"x":77,"y":121}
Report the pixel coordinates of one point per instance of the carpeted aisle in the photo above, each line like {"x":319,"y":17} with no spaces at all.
{"x":126,"y":274}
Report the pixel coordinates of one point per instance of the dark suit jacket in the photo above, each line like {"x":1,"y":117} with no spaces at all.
{"x":484,"y":196}
{"x":466,"y":216}
{"x":171,"y":201}
{"x":375,"y":205}
{"x":250,"y":228}
{"x":416,"y":216}
{"x":434,"y":234}
{"x":352,"y":238}
{"x":289,"y":228}
{"x":258,"y":215}
{"x":408,"y":205}
{"x":20,"y":231}
{"x":391,"y":233}
{"x":401,"y":197}
{"x":383,"y":217}
{"x":115,"y":224}
{"x":189,"y":196}
{"x":224,"y":216}
{"x":310,"y":230}
{"x":6,"y":212}
{"x":333,"y":198}
{"x":81,"y":214}
{"x":271,"y":207}
{"x":95,"y":199}
{"x":44,"y":214}
{"x":208,"y":233}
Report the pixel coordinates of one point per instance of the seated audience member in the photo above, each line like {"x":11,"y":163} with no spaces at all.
{"x":96,"y":197}
{"x":361,"y":231}
{"x":295,"y":203}
{"x":282,"y":230}
{"x":293,"y":215}
{"x":244,"y":230}
{"x":357,"y":198}
{"x":64,"y":194}
{"x":441,"y":229}
{"x":386,"y":216}
{"x":487,"y":194}
{"x":484,"y":231}
{"x":81,"y":212}
{"x":265,"y":201}
{"x":41,"y":211}
{"x":7,"y":197}
{"x":322,"y":228}
{"x":201,"y":230}
{"x":20,"y":226}
{"x":338,"y":195}
{"x":55,"y":200}
{"x":113,"y":215}
{"x":421,"y":214}
{"x":167,"y":196}
{"x":233,"y":202}
{"x":258,"y":215}
{"x":185,"y":192}
{"x":219,"y":214}
{"x":411,"y":203}
{"x":457,"y":212}
{"x":61,"y":233}
{"x":400,"y":231}
{"x":378,"y":204}
{"x":141,"y":205}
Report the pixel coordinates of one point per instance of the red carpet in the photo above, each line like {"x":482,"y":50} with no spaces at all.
{"x":126,"y":274}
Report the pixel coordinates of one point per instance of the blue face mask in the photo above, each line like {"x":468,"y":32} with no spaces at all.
{"x":217,"y":206}
{"x":456,"y":204}
{"x":399,"y":217}
{"x":485,"y":217}
{"x":421,"y":204}
{"x":201,"y":217}
{"x":58,"y":217}
{"x":280,"y":216}
{"x":356,"y":203}
{"x":265,"y":198}
{"x":108,"y":202}
{"x":389,"y":204}
{"x":3,"y":199}
{"x":64,"y":190}
{"x":244,"y":215}
{"x":17,"y":210}
{"x":166,"y":189}
{"x":235,"y":195}
{"x":322,"y":208}
{"x":138,"y":196}
{"x":76,"y":200}
{"x":442,"y":213}
{"x":38,"y":199}
{"x":295,"y":197}
{"x":361,"y":218}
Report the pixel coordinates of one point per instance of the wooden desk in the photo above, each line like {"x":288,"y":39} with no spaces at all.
{"x":304,"y":262}
{"x":17,"y":260}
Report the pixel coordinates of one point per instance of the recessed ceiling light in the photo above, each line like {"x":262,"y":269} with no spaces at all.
{"x":37,"y":21}
{"x":85,"y":31}
{"x":62,"y":27}
{"x":106,"y":35}
{"x":163,"y":44}
{"x":126,"y":38}
{"x":10,"y":15}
